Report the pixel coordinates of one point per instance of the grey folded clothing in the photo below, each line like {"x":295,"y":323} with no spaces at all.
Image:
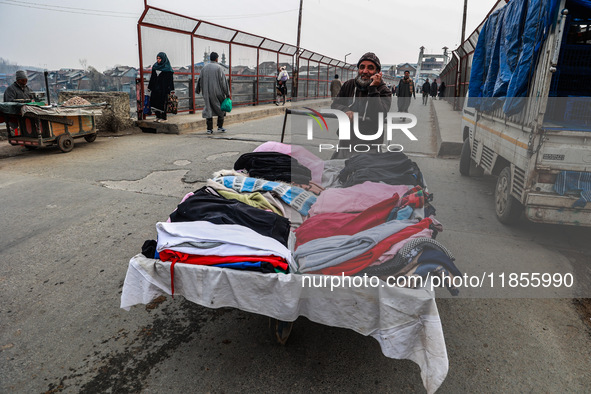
{"x":327,"y":252}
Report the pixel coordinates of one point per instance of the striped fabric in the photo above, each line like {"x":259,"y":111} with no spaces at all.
{"x":296,"y":197}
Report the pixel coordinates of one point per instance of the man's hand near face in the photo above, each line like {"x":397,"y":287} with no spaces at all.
{"x":376,"y":79}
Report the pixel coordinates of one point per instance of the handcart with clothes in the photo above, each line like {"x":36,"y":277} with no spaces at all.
{"x":275,"y":234}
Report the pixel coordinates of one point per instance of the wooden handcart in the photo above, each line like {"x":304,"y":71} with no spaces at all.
{"x":34,"y":126}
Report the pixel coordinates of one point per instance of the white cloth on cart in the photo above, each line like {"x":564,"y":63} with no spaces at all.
{"x":405,"y":322}
{"x":209,"y":239}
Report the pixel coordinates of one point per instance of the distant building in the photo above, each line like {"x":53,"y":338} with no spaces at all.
{"x":270,"y":68}
{"x":432,"y":64}
{"x":402,"y":67}
{"x":389,"y":69}
{"x":221,"y":59}
{"x":124,"y":74}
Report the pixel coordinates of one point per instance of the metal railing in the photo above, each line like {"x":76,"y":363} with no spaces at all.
{"x":250,"y":61}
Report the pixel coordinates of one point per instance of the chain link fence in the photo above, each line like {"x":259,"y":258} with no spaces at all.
{"x":250,"y":61}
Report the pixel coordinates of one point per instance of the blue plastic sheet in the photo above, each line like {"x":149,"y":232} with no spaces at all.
{"x":584,"y":3}
{"x":506,"y":54}
{"x":512,"y":30}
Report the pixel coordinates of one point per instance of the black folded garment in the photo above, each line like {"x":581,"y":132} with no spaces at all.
{"x":273,"y":166}
{"x":149,"y":248}
{"x":208,"y":205}
{"x":393,"y":168}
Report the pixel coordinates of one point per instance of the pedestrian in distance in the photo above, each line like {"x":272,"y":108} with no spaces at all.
{"x":404,"y":91}
{"x":282,"y":78}
{"x":426,"y":90}
{"x":335,"y":86}
{"x":160,"y":85}
{"x":434,"y":89}
{"x":442,"y":88}
{"x":214,"y":86}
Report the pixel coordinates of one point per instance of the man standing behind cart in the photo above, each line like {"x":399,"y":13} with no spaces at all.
{"x":366,"y":94}
{"x":19,"y":91}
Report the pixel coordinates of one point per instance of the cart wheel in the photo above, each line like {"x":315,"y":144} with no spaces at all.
{"x":90,"y":137}
{"x":65,"y":143}
{"x":282,"y":330}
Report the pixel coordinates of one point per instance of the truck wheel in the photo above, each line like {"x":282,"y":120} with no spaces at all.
{"x":468,"y":166}
{"x":65,"y":143}
{"x":465,"y":158}
{"x":90,"y":137}
{"x":508,"y":208}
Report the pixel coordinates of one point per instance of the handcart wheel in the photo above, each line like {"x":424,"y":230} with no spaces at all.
{"x":282,"y":329}
{"x":65,"y":143}
{"x":90,"y":137}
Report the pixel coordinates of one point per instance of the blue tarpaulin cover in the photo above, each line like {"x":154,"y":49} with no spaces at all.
{"x":506,"y":54}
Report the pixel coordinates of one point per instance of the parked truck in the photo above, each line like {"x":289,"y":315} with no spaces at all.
{"x":527,"y":118}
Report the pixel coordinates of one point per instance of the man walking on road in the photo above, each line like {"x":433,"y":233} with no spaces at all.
{"x":215,"y":89}
{"x":434,"y":89}
{"x":405,"y":90}
{"x":335,"y":86}
{"x":367,"y":95}
{"x":426,"y":91}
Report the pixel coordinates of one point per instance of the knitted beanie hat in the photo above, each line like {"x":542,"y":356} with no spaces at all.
{"x":372,"y":58}
{"x":20,"y":74}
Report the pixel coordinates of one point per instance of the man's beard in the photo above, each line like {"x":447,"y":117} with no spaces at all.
{"x":362,"y":83}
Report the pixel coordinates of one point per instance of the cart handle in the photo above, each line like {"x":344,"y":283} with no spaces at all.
{"x":289,"y":111}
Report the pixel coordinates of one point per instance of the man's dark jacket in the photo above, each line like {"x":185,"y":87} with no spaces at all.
{"x":406,"y":89}
{"x":434,"y":89}
{"x":426,"y":87}
{"x":17,"y":92}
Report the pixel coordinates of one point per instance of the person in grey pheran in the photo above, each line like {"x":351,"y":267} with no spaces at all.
{"x":214,"y":86}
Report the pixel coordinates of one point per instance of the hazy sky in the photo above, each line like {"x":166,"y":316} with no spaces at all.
{"x":58,"y":33}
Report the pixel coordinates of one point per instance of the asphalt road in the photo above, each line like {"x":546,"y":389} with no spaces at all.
{"x":72,"y":221}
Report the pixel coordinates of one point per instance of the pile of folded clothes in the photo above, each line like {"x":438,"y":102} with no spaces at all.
{"x":284,"y":210}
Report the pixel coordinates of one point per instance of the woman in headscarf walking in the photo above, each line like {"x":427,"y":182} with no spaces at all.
{"x":161,"y":84}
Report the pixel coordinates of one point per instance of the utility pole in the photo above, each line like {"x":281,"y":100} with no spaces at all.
{"x":464,"y":22}
{"x":296,"y":75}
{"x":300,"y":24}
